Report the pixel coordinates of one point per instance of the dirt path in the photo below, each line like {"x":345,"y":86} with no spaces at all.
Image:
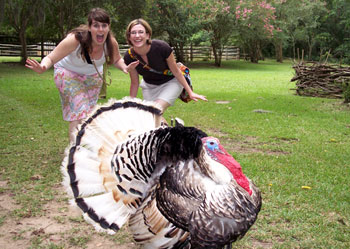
{"x":59,"y":226}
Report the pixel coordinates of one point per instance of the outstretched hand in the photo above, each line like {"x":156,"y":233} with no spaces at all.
{"x":131,"y":66}
{"x":35,"y":66}
{"x":196,"y":97}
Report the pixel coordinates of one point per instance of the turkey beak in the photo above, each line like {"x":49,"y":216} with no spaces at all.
{"x":221,"y":151}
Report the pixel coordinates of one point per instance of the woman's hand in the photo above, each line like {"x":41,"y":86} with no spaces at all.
{"x":35,"y":66}
{"x":130,"y":67}
{"x":125,"y":68}
{"x":64,"y":48}
{"x":195,"y":97}
{"x":178,"y":74}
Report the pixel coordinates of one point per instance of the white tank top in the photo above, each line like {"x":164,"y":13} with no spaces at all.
{"x":73,"y":62}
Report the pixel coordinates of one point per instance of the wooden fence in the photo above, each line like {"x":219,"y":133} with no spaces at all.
{"x":191,"y":53}
{"x":206,"y":53}
{"x":33,"y":50}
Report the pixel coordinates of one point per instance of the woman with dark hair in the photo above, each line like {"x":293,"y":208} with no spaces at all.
{"x":155,"y":58}
{"x":78,"y":65}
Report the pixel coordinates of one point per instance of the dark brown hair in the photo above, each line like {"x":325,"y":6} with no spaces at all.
{"x":136,"y":22}
{"x":83,"y":35}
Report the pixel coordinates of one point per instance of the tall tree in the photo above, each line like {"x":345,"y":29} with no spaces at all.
{"x":217,"y":19}
{"x":122,"y":12}
{"x":174,"y":18}
{"x":68,"y":14}
{"x":254,"y":20}
{"x":314,"y":11}
{"x":19,"y":14}
{"x":280,"y":36}
{"x":303,"y":22}
{"x":335,"y":29}
{"x":2,"y":10}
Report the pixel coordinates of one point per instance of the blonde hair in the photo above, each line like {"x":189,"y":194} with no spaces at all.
{"x":136,"y":22}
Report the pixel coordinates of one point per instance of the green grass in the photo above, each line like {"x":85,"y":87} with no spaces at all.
{"x":300,"y":141}
{"x":9,"y":59}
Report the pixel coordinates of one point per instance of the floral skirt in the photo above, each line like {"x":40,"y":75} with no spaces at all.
{"x":79,"y":93}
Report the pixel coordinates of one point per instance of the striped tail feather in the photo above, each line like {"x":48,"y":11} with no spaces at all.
{"x":105,"y":210}
{"x":151,"y":229}
{"x":115,"y":121}
{"x":87,"y":172}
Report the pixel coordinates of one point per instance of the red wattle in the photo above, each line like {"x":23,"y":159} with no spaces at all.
{"x":236,"y":170}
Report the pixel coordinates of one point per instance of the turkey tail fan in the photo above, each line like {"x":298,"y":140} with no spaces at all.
{"x":86,"y":168}
{"x":120,"y":119}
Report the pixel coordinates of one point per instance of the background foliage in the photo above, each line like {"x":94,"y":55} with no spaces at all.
{"x":263,"y":28}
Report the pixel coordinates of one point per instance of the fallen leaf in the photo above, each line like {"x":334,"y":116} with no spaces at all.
{"x":36,"y":177}
{"x":305,"y":187}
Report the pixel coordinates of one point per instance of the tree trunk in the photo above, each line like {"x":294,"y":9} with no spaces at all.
{"x":260,"y":53}
{"x":42,"y":47}
{"x":191,"y":52}
{"x":217,"y":51}
{"x":293,"y":47}
{"x":182,"y":52}
{"x":311,"y":46}
{"x":254,"y":52}
{"x":61,"y":23}
{"x":254,"y":58}
{"x":178,"y":52}
{"x":216,"y":57}
{"x":310,"y":53}
{"x":22,"y":38}
{"x":279,"y":51}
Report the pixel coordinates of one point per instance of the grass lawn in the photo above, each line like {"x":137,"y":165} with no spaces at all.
{"x":296,"y":149}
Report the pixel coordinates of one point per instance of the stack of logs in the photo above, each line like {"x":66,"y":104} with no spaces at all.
{"x":320,"y":80}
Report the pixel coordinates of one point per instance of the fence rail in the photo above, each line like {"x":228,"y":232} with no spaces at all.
{"x":34,"y":50}
{"x":191,"y":53}
{"x":205,"y":52}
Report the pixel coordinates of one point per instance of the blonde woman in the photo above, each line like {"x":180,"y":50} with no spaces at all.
{"x":154,"y":56}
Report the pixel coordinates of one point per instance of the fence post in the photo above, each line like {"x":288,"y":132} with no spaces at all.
{"x":42,"y":48}
{"x":191,"y":52}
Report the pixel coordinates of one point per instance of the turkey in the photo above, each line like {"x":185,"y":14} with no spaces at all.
{"x":175,"y":187}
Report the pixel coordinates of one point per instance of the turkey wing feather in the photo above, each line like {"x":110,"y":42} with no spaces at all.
{"x":225,"y":216}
